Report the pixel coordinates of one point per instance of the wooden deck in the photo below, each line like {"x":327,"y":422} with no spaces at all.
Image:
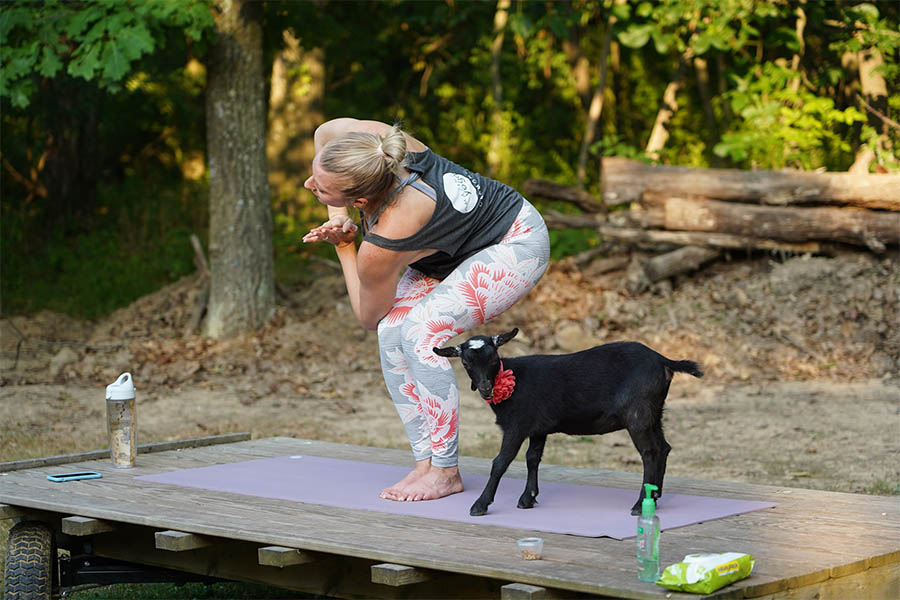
{"x":812,"y":545}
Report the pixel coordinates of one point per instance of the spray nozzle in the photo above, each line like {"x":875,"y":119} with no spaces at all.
{"x":648,"y":506}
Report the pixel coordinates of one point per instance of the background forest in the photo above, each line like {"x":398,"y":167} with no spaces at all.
{"x":104,"y":170}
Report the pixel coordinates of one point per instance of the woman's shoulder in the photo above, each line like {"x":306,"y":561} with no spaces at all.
{"x":406,"y":216}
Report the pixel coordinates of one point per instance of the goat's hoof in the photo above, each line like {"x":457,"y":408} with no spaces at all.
{"x":477,"y":511}
{"x":526,"y":503}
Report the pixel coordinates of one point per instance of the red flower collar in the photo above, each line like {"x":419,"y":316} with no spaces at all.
{"x":504,"y":384}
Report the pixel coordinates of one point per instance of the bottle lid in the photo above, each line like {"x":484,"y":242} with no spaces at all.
{"x":121,"y":389}
{"x":648,"y":506}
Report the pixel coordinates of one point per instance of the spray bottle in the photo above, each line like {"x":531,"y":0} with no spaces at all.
{"x":648,"y":537}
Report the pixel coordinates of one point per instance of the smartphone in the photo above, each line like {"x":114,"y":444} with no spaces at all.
{"x":74,"y":476}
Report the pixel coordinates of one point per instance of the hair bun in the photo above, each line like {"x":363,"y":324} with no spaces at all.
{"x":393,"y":147}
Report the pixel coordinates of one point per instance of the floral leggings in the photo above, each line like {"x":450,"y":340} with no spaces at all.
{"x":427,"y":312}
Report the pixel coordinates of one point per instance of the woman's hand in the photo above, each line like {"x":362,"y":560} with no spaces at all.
{"x":339,"y":230}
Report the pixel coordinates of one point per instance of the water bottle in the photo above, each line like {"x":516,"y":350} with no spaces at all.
{"x":121,"y":421}
{"x":648,"y":537}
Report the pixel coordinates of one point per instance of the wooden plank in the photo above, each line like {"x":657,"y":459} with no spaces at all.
{"x":398,"y":575}
{"x":61,"y":459}
{"x":880,"y":583}
{"x":81,"y":526}
{"x":179,"y":541}
{"x":279,"y":556}
{"x":10,"y":512}
{"x":522,"y":591}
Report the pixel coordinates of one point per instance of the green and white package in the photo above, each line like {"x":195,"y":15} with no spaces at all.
{"x":705,"y":573}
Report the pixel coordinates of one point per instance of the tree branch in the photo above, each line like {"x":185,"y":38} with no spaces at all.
{"x":887,"y":120}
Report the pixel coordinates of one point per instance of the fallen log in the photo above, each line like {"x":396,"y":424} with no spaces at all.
{"x":626,"y":180}
{"x":558,"y":220}
{"x":642,"y":273}
{"x":711,"y":240}
{"x":554,"y":191}
{"x":791,"y":224}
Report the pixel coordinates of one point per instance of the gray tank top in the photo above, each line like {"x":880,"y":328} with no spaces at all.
{"x":471,"y":213}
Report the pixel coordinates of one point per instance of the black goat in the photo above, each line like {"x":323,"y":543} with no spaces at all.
{"x":621,"y":385}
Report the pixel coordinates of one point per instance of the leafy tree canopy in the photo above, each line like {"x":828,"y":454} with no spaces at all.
{"x":96,"y":41}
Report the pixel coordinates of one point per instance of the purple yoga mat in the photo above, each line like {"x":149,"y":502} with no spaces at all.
{"x":584,"y":510}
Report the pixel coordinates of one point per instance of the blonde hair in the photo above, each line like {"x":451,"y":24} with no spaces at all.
{"x":366,"y":164}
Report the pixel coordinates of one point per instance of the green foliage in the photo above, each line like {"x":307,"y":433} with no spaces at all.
{"x":870,"y":31}
{"x":139,"y":242}
{"x":783,"y":124}
{"x":91,"y":40}
{"x":567,"y":242}
{"x":104,"y":99}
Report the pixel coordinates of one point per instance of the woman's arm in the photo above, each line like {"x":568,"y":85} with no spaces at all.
{"x":337,"y":127}
{"x":371,"y":275}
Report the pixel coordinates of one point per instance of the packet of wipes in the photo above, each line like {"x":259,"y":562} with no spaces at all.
{"x":705,"y":573}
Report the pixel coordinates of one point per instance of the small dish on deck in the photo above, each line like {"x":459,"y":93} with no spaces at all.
{"x":530,"y":547}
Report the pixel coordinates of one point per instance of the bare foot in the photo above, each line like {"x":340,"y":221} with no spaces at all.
{"x":437,"y":483}
{"x":395,"y":492}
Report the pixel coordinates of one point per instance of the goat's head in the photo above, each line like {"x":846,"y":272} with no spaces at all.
{"x":480,"y":359}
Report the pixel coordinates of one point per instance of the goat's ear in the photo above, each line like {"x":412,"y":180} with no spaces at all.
{"x":448,"y":352}
{"x":501,"y":339}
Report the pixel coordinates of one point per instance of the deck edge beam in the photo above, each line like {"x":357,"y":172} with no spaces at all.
{"x":62,"y":459}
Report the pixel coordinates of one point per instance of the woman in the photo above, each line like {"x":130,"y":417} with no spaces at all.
{"x":470,"y":246}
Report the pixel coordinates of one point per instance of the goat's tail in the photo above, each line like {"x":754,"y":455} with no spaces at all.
{"x":685,"y":366}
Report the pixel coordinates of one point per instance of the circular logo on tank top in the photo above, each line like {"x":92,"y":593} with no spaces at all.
{"x":461,"y":192}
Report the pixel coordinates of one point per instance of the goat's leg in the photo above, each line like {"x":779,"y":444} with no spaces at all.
{"x":650,"y":445}
{"x":664,"y":447}
{"x":509,"y":447}
{"x":532,"y":459}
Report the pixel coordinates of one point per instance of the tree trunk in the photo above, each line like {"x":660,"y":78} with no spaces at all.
{"x":702,"y":70}
{"x":795,"y":61}
{"x":596,"y":107}
{"x":242,"y":288}
{"x":295,"y":109}
{"x":627,"y":180}
{"x":849,"y":225}
{"x":660,"y":134}
{"x":498,"y":150}
{"x":874,"y":91}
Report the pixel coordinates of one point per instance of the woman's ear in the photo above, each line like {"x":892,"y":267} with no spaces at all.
{"x":360,"y":203}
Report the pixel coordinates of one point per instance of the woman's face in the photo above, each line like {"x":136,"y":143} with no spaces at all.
{"x":323,"y":184}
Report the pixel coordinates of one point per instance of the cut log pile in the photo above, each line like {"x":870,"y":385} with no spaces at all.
{"x":688,"y":216}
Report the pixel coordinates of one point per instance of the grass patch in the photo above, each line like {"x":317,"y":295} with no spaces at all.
{"x":884,"y":488}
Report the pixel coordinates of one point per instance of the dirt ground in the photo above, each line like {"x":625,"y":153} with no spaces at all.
{"x":802,"y":360}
